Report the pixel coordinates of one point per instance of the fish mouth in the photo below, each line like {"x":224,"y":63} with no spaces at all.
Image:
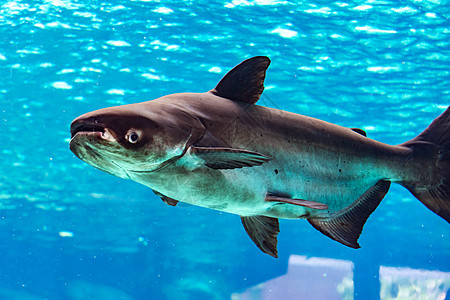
{"x":86,"y":128}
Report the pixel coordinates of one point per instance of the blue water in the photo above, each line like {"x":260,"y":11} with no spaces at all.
{"x":69,"y":231}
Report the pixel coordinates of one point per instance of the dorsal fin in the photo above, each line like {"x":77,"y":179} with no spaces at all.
{"x":245,"y":82}
{"x":346,"y":226}
{"x":360,"y":131}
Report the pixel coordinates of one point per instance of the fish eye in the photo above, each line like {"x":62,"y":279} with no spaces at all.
{"x":133,"y":137}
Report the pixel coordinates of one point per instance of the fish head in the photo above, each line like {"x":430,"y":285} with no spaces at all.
{"x":131,"y":138}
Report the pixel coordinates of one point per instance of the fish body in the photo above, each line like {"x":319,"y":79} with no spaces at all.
{"x":304,"y":155}
{"x":221,"y":151}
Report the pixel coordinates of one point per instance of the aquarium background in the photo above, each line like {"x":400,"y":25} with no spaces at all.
{"x":69,"y":231}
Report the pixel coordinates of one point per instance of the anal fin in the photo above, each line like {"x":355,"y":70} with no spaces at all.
{"x":346,"y":226}
{"x":263,"y":231}
{"x":300,"y":202}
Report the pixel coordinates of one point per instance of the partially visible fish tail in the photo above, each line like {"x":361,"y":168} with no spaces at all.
{"x":432,"y":187}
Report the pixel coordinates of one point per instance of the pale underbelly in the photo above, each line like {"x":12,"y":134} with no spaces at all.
{"x":242,"y":191}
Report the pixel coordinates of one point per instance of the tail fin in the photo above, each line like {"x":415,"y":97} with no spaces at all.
{"x":434,"y":144}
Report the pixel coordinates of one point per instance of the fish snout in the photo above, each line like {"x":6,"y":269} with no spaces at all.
{"x":92,"y":126}
{"x":86,"y":125}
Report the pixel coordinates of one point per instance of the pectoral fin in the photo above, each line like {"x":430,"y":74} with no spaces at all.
{"x":263,"y":231}
{"x":228,"y":158}
{"x":346,"y":226}
{"x":299,"y":202}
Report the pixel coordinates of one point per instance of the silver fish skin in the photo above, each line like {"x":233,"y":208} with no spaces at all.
{"x":221,"y":151}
